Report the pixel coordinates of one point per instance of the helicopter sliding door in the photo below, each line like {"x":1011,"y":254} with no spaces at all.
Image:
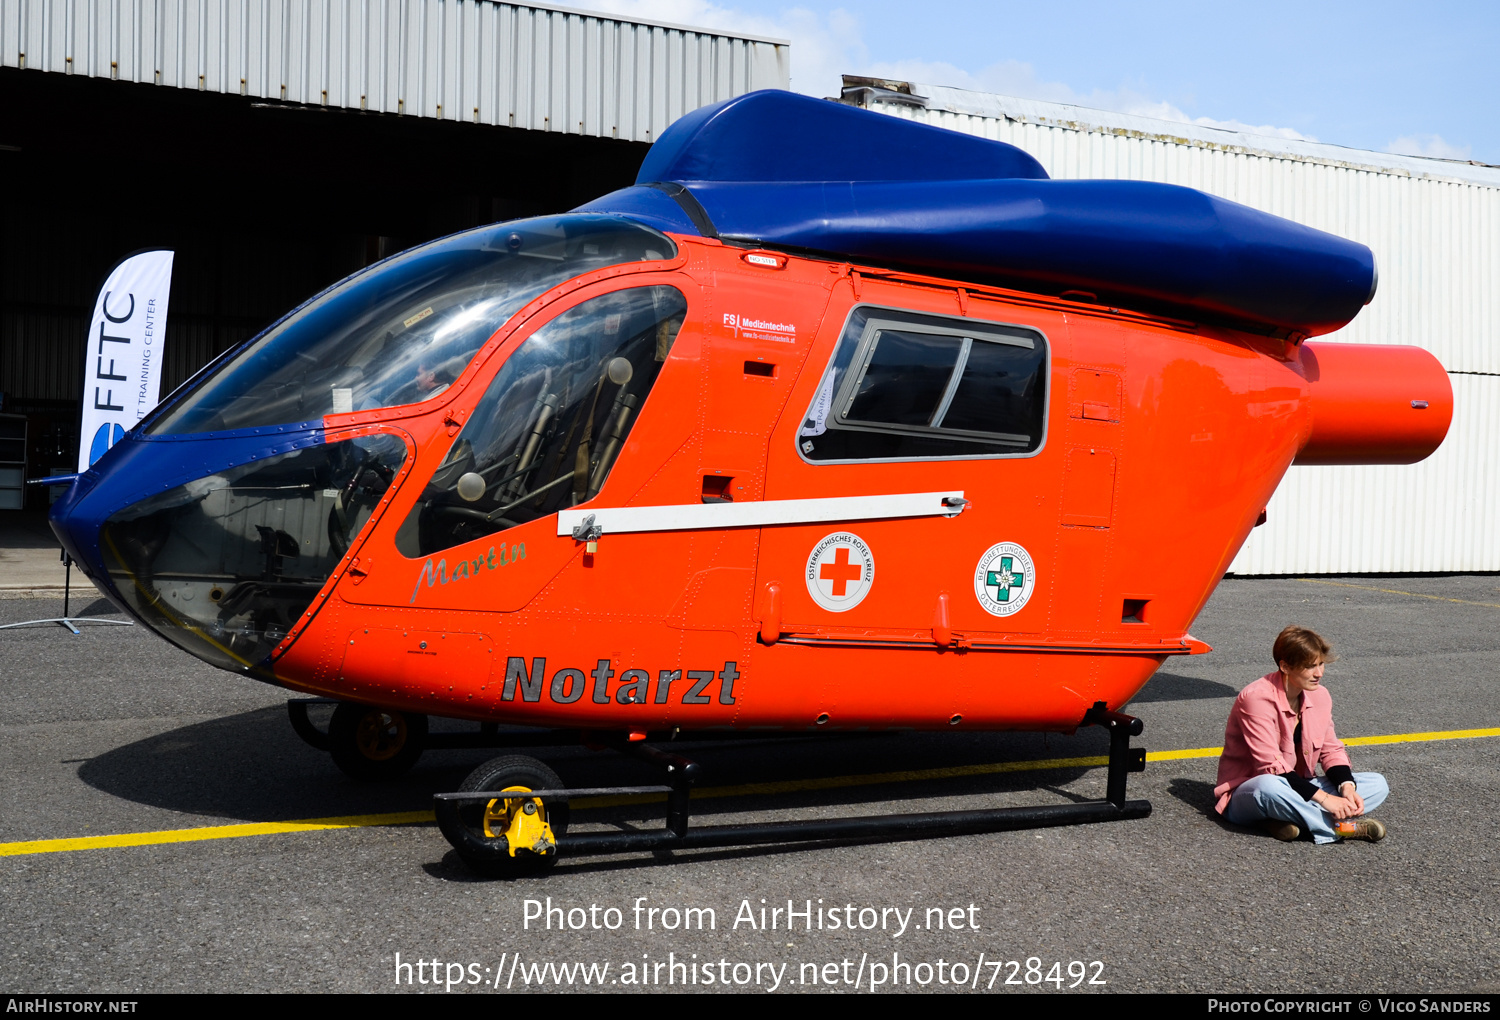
{"x":911,"y":390}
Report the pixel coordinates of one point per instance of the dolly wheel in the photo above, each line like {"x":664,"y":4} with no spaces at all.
{"x":506,"y":837}
{"x":372,"y":744}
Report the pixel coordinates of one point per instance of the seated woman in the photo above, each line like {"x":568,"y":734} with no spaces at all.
{"x":1280,"y":728}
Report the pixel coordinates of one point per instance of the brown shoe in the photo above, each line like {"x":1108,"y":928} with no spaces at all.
{"x":1370,"y":829}
{"x":1284,"y":831}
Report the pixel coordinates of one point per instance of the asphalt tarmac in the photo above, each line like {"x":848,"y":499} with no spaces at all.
{"x":115,"y":731}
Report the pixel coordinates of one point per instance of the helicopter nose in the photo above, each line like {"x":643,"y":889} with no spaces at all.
{"x":221,"y":543}
{"x":78,"y":535}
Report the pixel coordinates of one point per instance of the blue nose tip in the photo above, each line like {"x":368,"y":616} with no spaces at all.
{"x":80,"y":537}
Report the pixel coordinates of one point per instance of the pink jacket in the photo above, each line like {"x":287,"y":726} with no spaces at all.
{"x":1258,"y":738}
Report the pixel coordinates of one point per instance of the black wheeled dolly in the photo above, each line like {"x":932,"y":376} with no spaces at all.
{"x":489,"y":853}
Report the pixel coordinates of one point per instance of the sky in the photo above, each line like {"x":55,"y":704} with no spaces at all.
{"x":1421,"y":79}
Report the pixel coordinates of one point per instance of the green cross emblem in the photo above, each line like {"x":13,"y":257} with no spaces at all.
{"x":1005,"y":580}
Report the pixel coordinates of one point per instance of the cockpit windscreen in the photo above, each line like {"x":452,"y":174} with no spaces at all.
{"x":402,"y":331}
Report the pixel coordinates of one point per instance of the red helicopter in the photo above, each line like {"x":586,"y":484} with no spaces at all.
{"x":833,"y":422}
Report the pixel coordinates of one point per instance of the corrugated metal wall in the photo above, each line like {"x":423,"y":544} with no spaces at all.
{"x":1437,"y":515}
{"x":515,"y":65}
{"x":1434,"y":226}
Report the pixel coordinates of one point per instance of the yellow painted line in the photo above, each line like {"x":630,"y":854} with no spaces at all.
{"x":47,"y":846}
{"x":961,"y":771}
{"x":44,"y":846}
{"x":1414,"y":738}
{"x":910,"y":776}
{"x":1188,"y":752}
{"x":1394,"y":591}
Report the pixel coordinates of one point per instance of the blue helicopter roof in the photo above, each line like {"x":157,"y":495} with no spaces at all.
{"x":777,"y":137}
{"x":785,"y":170}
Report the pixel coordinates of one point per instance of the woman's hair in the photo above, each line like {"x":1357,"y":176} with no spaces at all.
{"x":1300,"y":648}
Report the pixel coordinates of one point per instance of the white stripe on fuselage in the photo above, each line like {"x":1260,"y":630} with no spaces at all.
{"x":761,"y":513}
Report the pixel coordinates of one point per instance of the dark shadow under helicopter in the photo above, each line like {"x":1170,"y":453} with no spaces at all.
{"x":252,"y":767}
{"x":1175,"y":687}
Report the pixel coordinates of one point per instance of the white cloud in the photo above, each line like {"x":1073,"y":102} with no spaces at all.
{"x":1428,"y":145}
{"x":1015,"y":78}
{"x":825,"y":48}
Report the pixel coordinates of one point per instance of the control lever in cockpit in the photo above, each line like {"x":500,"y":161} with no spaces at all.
{"x":542,"y":415}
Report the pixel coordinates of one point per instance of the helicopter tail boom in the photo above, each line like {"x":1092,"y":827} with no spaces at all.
{"x":1374,"y":404}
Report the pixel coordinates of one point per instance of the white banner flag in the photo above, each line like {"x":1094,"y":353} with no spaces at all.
{"x":122,"y":359}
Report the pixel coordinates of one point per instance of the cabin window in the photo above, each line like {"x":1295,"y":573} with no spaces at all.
{"x":402,"y":331}
{"x":906,"y":386}
{"x":546,"y":433}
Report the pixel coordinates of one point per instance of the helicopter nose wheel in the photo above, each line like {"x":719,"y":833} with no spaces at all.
{"x":372,"y":744}
{"x":506,"y":837}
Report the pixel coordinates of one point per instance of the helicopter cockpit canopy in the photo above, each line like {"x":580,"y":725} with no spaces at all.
{"x":402,"y":331}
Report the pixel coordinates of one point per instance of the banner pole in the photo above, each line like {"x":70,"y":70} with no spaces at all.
{"x":65,"y":620}
{"x":126,"y":334}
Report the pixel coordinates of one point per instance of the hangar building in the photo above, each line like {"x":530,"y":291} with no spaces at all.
{"x":1434,"y":226}
{"x":279,"y":145}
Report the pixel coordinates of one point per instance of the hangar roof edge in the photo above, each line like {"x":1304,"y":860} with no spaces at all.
{"x":499,"y":63}
{"x":866,"y":91}
{"x":676,"y":26}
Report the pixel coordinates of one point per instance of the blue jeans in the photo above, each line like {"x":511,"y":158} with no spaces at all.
{"x":1273,"y":797}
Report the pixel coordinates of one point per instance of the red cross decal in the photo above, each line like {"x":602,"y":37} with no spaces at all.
{"x":840,"y":572}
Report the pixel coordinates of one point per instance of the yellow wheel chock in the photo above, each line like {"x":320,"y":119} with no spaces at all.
{"x":521,"y":820}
